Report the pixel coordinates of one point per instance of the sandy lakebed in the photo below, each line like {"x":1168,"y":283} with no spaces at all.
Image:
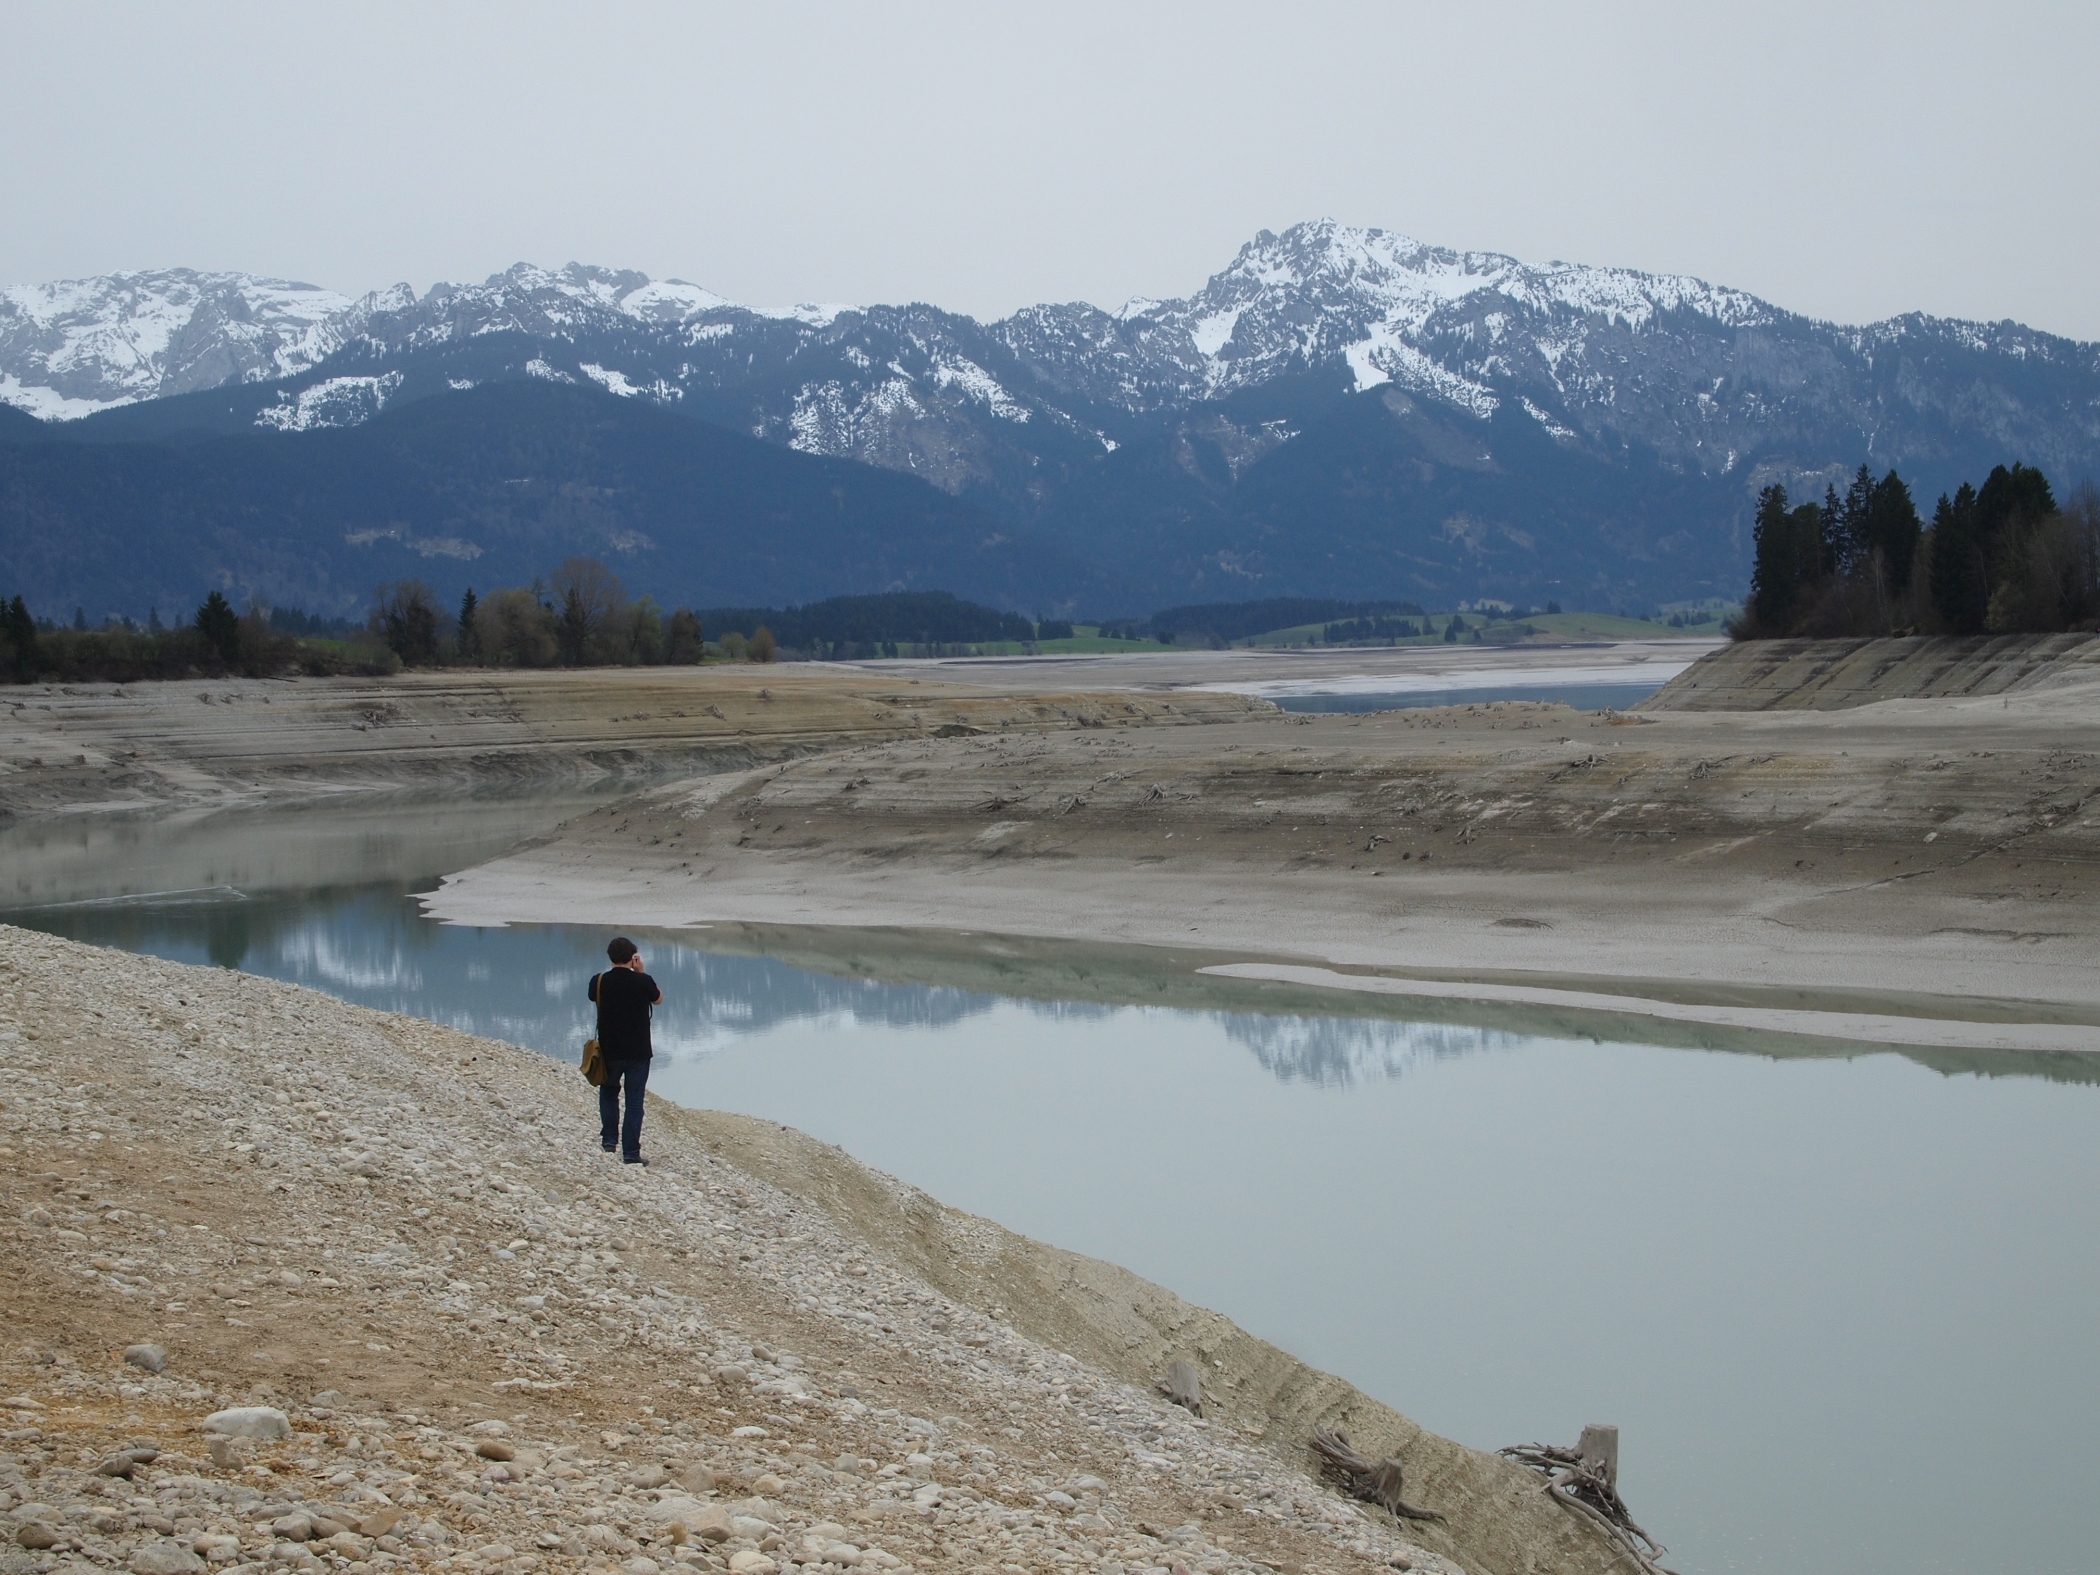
{"x":1906,"y":872}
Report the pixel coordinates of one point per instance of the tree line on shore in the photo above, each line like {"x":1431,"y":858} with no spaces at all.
{"x":2002,"y":558}
{"x":579,"y":616}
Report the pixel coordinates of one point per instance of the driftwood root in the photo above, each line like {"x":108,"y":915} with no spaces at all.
{"x":1585,"y":1485}
{"x":1373,"y":1481}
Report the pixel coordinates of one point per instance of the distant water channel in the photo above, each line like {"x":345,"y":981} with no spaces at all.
{"x":1842,"y":1309}
{"x":1583,"y":697}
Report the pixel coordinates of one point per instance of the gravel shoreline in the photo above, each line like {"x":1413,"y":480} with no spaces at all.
{"x":498,"y":1350}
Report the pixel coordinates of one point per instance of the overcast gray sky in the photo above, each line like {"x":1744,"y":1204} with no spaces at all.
{"x":1847,"y":160}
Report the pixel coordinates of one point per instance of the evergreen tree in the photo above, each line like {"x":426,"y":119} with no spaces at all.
{"x":80,"y":620}
{"x":153,"y":623}
{"x":1892,"y":530}
{"x":469,"y":634}
{"x":1774,"y":578}
{"x":1831,"y":528}
{"x":1961,"y":587}
{"x":1853,"y":526}
{"x":220,"y":626}
{"x":20,"y":631}
{"x":2008,"y":505}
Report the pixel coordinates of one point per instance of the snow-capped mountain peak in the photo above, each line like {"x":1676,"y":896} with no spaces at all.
{"x":81,"y":345}
{"x":1324,"y":291}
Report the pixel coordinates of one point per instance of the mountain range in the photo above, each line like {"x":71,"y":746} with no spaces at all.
{"x":1339,"y":411}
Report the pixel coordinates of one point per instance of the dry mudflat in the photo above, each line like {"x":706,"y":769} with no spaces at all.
{"x":1906,"y":871}
{"x":495,"y":1349}
{"x":87,"y":747}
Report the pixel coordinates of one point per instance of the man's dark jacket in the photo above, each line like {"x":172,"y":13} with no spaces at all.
{"x":624,"y":998}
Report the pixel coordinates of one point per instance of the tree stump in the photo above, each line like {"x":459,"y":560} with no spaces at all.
{"x":1599,"y":1449}
{"x":1184,"y":1387}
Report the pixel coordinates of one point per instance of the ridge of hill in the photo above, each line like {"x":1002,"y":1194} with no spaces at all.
{"x":1339,"y":412}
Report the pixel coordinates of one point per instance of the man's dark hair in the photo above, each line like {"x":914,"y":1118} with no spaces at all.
{"x":621,"y":950}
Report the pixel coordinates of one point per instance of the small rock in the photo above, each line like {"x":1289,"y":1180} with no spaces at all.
{"x":767,"y":1485}
{"x":649,"y":1477}
{"x":730,"y":1375}
{"x":379,"y":1524}
{"x":153,"y":1358}
{"x":164,"y":1557}
{"x":750,"y":1562}
{"x":331,"y":1398}
{"x":640,"y":1566}
{"x":497,"y":1552}
{"x":249,"y":1421}
{"x":711,"y":1524}
{"x":821,"y":1549}
{"x":495,"y":1449}
{"x":697,"y":1479}
{"x":1061,"y":1500}
{"x":750,"y":1527}
{"x":36,"y":1536}
{"x":325,"y":1527}
{"x":294,"y":1527}
{"x":849,"y":1464}
{"x":678,"y":1507}
{"x":218,"y":1549}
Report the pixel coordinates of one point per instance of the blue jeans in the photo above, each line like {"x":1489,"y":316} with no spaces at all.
{"x":635,"y":1074}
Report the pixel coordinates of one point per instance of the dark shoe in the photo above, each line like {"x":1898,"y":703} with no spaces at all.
{"x":632,"y":1159}
{"x":610,"y":1148}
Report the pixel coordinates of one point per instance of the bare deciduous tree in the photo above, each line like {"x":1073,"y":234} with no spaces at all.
{"x":588,"y":602}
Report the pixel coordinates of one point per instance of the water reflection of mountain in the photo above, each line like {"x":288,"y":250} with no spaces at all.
{"x":1338,"y":1052}
{"x":526,"y":984}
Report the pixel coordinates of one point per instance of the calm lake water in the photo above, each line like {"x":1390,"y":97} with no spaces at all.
{"x":1583,"y":697}
{"x":1842,"y":1309}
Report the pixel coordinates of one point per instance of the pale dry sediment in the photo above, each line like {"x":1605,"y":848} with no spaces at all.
{"x":215,"y":741}
{"x":1929,"y":860}
{"x":405,"y":1238}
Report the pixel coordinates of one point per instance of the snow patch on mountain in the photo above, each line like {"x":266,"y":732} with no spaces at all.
{"x":671,"y":301}
{"x":809,"y":314}
{"x":1386,"y":357}
{"x":48,"y":404}
{"x":333,"y":402}
{"x":1559,"y":433}
{"x":980,"y":385}
{"x":80,"y":345}
{"x":1211,"y":334}
{"x":619,"y":383}
{"x":826,"y":420}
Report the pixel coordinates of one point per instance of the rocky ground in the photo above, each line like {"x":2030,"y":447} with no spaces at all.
{"x":496,"y":1349}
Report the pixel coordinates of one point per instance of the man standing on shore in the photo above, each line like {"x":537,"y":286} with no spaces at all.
{"x":625,"y":996}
